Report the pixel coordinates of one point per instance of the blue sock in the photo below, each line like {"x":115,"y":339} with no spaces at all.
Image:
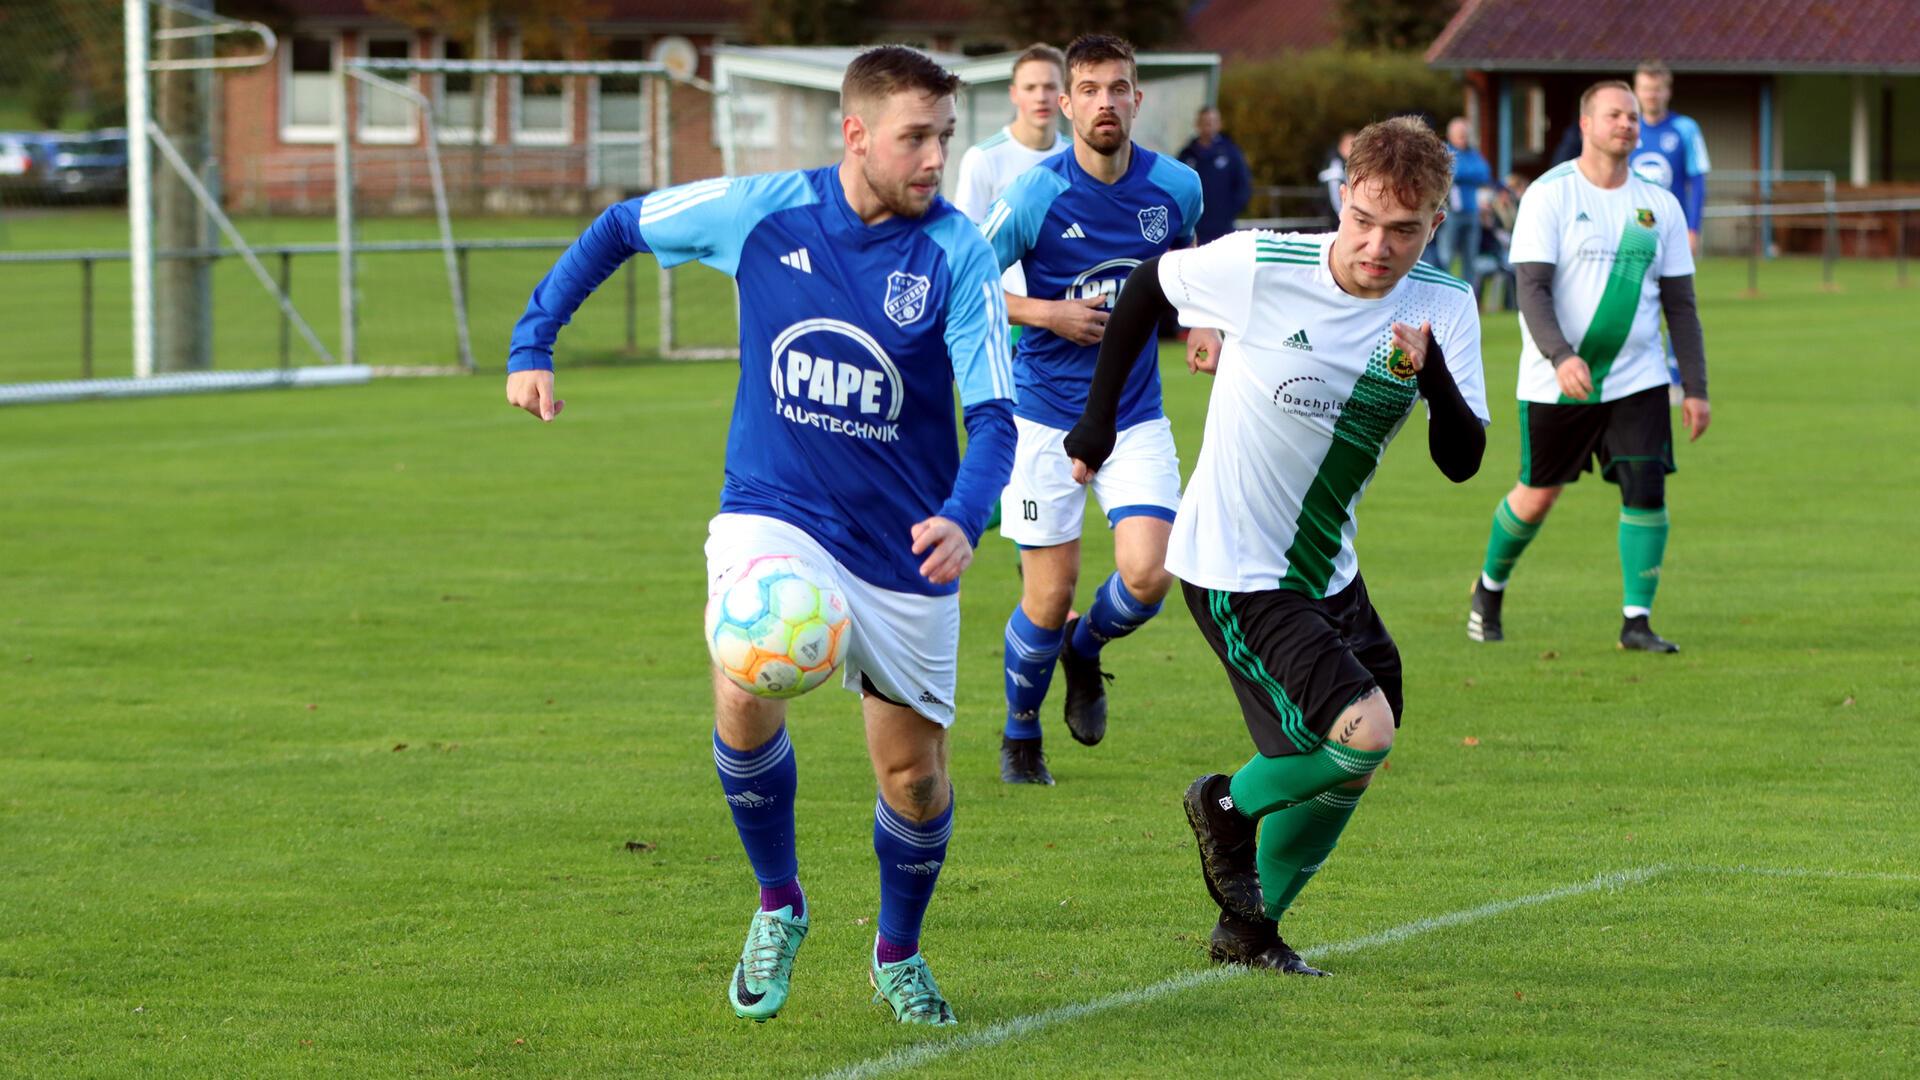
{"x":1030,"y":653}
{"x":910,"y":855}
{"x":759,"y":784}
{"x":1115,"y":614}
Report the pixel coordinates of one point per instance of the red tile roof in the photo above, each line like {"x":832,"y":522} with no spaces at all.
{"x":1690,"y":35}
{"x":1261,"y":28}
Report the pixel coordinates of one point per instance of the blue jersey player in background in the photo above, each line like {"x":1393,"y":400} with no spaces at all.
{"x":1078,"y":223}
{"x":1673,"y":154}
{"x":864,"y":298}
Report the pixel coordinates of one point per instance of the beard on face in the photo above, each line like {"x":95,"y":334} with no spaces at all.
{"x":1105,"y":141}
{"x":898,"y":196}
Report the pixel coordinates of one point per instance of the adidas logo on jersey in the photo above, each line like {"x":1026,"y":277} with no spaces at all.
{"x":1582,"y":216}
{"x":1074,"y":232}
{"x":1299,"y":341}
{"x":799,"y":260}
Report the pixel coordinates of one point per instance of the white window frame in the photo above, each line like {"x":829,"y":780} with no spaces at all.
{"x":381,"y":135}
{"x":452,"y":131}
{"x":643,"y":139}
{"x":522,"y":137}
{"x":306,"y":133}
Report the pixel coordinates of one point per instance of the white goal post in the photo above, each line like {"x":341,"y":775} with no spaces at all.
{"x":383,"y":74}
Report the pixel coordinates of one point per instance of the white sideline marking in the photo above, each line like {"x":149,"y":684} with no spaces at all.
{"x":1799,"y":872}
{"x":1013,"y":1029}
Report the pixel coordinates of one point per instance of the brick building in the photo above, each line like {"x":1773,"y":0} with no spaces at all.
{"x":541,"y":142}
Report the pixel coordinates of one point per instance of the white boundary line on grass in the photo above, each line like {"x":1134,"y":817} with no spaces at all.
{"x":1012,"y":1029}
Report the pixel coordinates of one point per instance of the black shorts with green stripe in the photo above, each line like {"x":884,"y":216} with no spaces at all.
{"x":1559,"y":442}
{"x":1295,"y":662}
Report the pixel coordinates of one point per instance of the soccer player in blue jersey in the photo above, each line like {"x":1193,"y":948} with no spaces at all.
{"x":864,"y":298}
{"x":1078,"y":223}
{"x":1673,"y":154}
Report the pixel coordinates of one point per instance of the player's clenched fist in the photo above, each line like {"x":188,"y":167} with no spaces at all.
{"x":533,"y":391}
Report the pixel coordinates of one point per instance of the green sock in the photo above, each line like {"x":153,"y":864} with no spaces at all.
{"x":1295,"y":843}
{"x":1643,"y":542}
{"x":1266,"y":784}
{"x":1509,"y":538}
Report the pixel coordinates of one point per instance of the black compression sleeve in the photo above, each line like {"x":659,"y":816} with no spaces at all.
{"x":1455,"y":439}
{"x":1135,"y":320}
{"x":1535,"y":286}
{"x":1683,"y":328}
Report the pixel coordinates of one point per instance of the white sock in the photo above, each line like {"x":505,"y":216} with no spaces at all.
{"x":1636,"y":612}
{"x":1491,"y":585}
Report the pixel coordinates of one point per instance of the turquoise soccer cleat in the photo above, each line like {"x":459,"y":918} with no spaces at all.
{"x":765,"y":972}
{"x":908,"y":986}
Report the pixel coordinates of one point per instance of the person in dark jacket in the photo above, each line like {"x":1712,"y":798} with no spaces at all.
{"x":1226,"y":184}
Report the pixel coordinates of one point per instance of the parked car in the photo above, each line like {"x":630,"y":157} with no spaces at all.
{"x":23,"y":161}
{"x":90,"y":166}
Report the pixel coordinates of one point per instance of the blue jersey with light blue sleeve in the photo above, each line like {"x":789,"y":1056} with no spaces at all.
{"x":1673,"y":154}
{"x":1078,"y":237}
{"x":852,"y":339}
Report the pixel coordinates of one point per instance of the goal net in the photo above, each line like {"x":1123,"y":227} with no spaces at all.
{"x":467,"y":178}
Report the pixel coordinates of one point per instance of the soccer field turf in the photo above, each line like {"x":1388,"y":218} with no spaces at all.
{"x":364,"y":732}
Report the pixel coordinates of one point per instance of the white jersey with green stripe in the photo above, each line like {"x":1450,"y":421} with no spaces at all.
{"x":1308,"y":392}
{"x":1609,"y":248}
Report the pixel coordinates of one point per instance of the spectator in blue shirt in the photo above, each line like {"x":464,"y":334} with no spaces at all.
{"x":1460,"y":232}
{"x":1225,"y":181}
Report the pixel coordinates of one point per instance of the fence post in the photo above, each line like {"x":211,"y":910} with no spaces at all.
{"x":633,"y":341}
{"x":286,"y":328}
{"x":1831,"y":248}
{"x":86,"y":318}
{"x":1900,"y":245}
{"x":1753,"y":256}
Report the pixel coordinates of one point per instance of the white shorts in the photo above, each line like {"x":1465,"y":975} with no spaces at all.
{"x":1042,"y":506}
{"x":906,"y":643}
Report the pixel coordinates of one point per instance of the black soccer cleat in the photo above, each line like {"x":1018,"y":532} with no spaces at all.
{"x":1636,"y":634}
{"x":1255,"y":944}
{"x":1086,"y":692}
{"x":1483,"y":618}
{"x":1226,"y":848}
{"x":1023,"y":762}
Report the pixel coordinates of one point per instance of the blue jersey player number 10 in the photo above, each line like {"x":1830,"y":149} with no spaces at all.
{"x":865,"y":299}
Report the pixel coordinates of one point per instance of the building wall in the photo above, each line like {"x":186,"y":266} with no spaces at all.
{"x":265,"y":170}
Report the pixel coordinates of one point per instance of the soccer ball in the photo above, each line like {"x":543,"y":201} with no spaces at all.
{"x":777,"y":626}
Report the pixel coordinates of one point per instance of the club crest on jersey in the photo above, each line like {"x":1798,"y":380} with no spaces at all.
{"x":906,"y":297}
{"x":1400,"y":365}
{"x":1153,"y":224}
{"x":1644,"y":217}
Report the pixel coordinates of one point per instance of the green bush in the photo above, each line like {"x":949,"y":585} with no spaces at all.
{"x":1288,"y":113}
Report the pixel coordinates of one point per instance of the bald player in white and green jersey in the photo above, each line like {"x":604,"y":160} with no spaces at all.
{"x":1600,"y":253}
{"x":1329,"y":341}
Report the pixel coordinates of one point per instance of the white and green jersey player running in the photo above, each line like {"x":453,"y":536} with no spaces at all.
{"x":1329,"y":342}
{"x":1600,"y":254}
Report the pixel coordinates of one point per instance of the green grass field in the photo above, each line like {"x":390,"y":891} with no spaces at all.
{"x":364,"y":732}
{"x":406,"y":309}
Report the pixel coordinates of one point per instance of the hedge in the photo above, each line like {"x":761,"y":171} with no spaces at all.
{"x":1287,"y":114}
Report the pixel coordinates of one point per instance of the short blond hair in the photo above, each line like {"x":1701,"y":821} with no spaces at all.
{"x":1407,"y":158}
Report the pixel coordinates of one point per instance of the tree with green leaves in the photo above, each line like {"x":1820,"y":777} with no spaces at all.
{"x":1393,"y":25}
{"x":1148,"y":24}
{"x":811,"y":22}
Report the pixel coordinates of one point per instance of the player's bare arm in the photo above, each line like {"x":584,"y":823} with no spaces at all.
{"x":1081,"y":320}
{"x":533,"y":391}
